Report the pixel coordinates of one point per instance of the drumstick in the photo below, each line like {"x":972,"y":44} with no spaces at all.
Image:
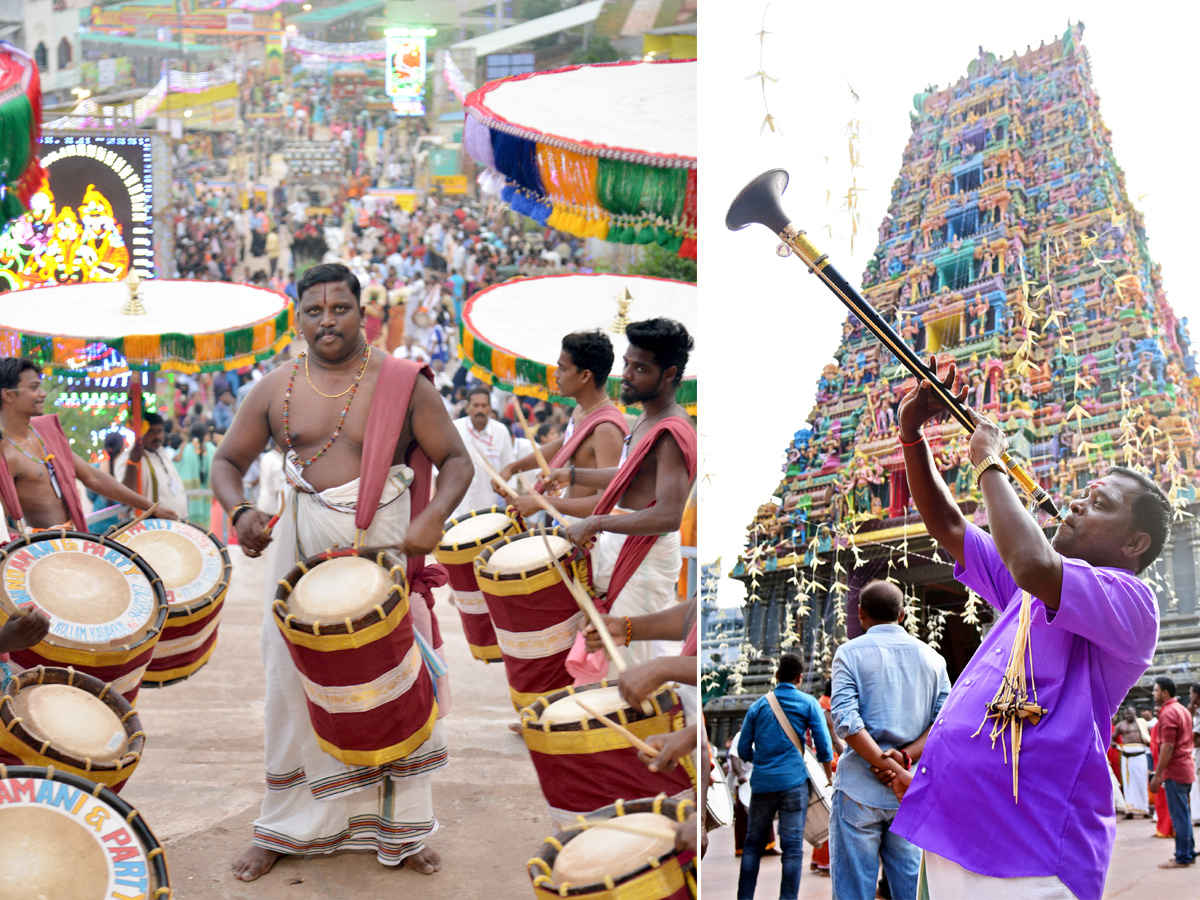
{"x":145,"y":515}
{"x":538,"y":498}
{"x":275,"y":518}
{"x":619,"y":729}
{"x":537,"y":452}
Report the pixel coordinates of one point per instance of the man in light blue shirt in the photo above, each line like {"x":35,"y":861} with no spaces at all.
{"x":779,"y":782}
{"x":887,"y":690}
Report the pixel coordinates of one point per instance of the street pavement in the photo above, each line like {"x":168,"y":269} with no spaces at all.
{"x":1134,"y":873}
{"x":200,"y":783}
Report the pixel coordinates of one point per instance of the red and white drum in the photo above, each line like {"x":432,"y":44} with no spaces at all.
{"x":194,"y":567}
{"x":464,"y":539}
{"x":73,"y":722}
{"x":625,"y":851}
{"x":346,"y":620}
{"x":65,"y":837}
{"x":582,"y":764}
{"x":106,"y":606}
{"x":534,"y":614}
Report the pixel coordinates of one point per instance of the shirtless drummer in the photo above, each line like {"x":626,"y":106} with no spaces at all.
{"x":37,"y":477}
{"x":596,"y":432}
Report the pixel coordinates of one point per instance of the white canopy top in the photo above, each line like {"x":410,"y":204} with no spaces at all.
{"x":94,"y":310}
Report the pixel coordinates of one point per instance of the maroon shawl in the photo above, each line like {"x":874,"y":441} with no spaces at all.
{"x":63,"y":460}
{"x":582,"y":430}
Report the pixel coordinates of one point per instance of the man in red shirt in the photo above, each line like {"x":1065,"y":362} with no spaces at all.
{"x":1175,"y":770}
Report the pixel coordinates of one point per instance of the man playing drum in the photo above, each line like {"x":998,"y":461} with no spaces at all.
{"x":348,"y":475}
{"x":597,"y":429}
{"x":144,"y":468}
{"x":38,"y":468}
{"x":637,"y":558}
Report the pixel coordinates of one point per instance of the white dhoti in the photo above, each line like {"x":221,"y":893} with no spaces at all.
{"x":1195,"y":796}
{"x":1135,"y":778}
{"x":650,"y":589}
{"x":315,"y":803}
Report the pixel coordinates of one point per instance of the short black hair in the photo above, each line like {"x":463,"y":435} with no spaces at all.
{"x":882,"y":601}
{"x":329,"y":273}
{"x":152,"y":418}
{"x":1152,"y":513}
{"x":1195,"y":689}
{"x":11,"y":368}
{"x":480,"y":389}
{"x":791,"y":667}
{"x":1166,"y":684}
{"x":667,"y":339}
{"x":591,"y":350}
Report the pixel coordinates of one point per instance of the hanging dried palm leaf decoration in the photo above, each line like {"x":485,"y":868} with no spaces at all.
{"x":1011,"y":706}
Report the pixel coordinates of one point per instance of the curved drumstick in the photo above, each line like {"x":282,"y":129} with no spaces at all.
{"x":275,"y":518}
{"x":143,"y":515}
{"x":537,"y":451}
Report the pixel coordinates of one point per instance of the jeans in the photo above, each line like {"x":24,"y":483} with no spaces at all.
{"x":792,"y":806}
{"x":1181,"y":819}
{"x":859,"y":837}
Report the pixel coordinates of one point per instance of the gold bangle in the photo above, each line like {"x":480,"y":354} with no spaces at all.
{"x":986,"y":463}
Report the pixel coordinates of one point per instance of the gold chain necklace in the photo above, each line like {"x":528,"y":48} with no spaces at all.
{"x":357,"y":378}
{"x":597,"y":406}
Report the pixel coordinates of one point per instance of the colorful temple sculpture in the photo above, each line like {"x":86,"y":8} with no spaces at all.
{"x":1011,"y":247}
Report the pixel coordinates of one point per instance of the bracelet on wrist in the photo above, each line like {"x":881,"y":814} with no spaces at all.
{"x":237,"y":511}
{"x":572,"y":483}
{"x":920,"y":439}
{"x":628,"y":630}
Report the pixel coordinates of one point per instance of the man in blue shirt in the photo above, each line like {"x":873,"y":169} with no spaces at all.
{"x":887,"y":690}
{"x":779,"y":782}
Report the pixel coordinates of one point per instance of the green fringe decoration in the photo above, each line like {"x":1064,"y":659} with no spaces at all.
{"x":239,"y":342}
{"x":627,"y":188}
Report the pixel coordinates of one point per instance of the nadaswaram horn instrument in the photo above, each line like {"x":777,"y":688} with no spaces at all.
{"x":759,"y":201}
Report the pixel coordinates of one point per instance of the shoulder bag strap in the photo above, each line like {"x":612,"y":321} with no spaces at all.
{"x":784,"y":723}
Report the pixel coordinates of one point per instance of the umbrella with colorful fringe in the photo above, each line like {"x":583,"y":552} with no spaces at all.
{"x":21,"y":172}
{"x":605,"y":151}
{"x":511,"y":333}
{"x":104,"y":329}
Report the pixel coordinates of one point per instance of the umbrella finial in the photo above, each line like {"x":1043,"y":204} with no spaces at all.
{"x":133,"y":306}
{"x":624,"y":299}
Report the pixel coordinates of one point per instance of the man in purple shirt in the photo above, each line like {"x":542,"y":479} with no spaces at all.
{"x":1093,"y":629}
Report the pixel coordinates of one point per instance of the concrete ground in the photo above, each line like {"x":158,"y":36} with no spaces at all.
{"x":1134,"y":873}
{"x":201,"y":781}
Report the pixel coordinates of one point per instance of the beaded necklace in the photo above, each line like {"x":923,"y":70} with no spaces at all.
{"x":45,"y":458}
{"x":287,"y":434}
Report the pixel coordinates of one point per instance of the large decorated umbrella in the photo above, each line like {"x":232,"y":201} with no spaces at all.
{"x":605,"y":151}
{"x":21,"y":172}
{"x":112,"y":327}
{"x":511,"y":333}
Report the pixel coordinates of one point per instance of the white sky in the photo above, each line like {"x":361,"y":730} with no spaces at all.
{"x":773,"y":324}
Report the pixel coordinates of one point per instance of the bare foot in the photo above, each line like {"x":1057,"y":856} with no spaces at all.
{"x":514,"y":727}
{"x":426,"y":862}
{"x":255,"y":862}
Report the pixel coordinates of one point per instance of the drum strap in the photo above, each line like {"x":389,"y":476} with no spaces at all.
{"x":786,"y":725}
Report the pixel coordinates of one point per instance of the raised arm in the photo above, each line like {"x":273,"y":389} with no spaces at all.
{"x":435,"y":433}
{"x":943,"y":519}
{"x":100,"y":482}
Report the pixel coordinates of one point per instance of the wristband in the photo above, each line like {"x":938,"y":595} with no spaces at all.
{"x":237,"y":511}
{"x":920,"y":438}
{"x":907,"y":758}
{"x":572,"y":484}
{"x":986,"y":463}
{"x":628,"y":630}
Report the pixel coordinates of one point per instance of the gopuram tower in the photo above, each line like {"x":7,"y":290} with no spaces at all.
{"x":1011,"y":247}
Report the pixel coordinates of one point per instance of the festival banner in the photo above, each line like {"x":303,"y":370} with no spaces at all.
{"x":404,"y":67}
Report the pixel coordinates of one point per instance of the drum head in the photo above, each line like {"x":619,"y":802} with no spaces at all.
{"x":604,"y":700}
{"x":187,"y":560}
{"x":39,"y":840}
{"x":337,"y":588}
{"x":527,"y":554}
{"x":600,"y":851}
{"x":74,"y":721}
{"x":477,"y":529}
{"x":93,"y":593}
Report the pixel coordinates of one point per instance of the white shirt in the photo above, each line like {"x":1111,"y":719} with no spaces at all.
{"x":270,"y":481}
{"x":494,"y":445}
{"x":160,"y":481}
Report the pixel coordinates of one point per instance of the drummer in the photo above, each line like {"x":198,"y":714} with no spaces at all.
{"x":38,"y":468}
{"x":144,"y":468}
{"x":597,"y":429}
{"x":637,"y":558}
{"x":338,"y":453}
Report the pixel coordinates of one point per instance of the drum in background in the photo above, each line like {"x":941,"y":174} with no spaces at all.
{"x":73,"y":722}
{"x":820,"y":801}
{"x":534,"y":614}
{"x":718,"y":805}
{"x":67,"y":837}
{"x":582,"y":764}
{"x":463,"y":540}
{"x":106,"y":605}
{"x":346,"y":620}
{"x":194,"y":567}
{"x":594,"y":857}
